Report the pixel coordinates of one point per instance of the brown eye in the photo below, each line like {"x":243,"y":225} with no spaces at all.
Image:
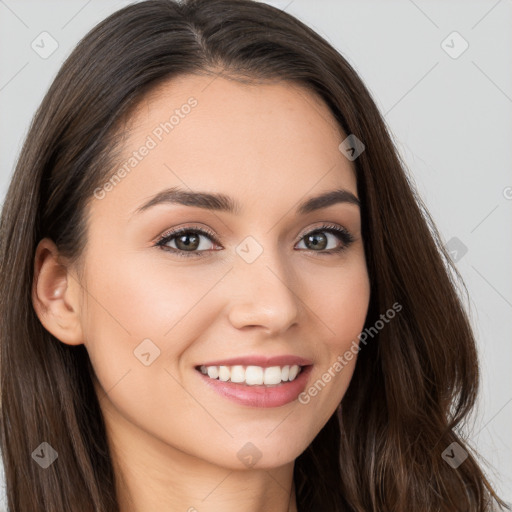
{"x":318,"y":240}
{"x":187,"y":241}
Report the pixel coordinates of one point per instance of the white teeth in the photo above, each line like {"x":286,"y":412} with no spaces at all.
{"x":224,"y":373}
{"x":213,"y":372}
{"x":272,"y":375}
{"x":294,"y":370}
{"x":237,"y":374}
{"x":252,"y":375}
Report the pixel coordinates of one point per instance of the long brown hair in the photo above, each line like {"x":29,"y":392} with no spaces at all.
{"x":414,"y":382}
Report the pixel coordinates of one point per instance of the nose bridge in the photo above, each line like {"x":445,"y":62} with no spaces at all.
{"x":264,"y":294}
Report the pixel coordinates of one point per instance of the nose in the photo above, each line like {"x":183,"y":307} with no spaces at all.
{"x":263,"y":295}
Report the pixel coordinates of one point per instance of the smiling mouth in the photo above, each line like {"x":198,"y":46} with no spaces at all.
{"x":252,"y":375}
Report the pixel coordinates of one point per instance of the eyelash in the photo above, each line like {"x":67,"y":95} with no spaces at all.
{"x":341,"y":233}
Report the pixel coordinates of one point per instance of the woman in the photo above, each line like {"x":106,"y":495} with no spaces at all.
{"x":170,"y":339}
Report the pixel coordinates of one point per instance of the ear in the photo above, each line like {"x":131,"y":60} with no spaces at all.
{"x":56,"y":295}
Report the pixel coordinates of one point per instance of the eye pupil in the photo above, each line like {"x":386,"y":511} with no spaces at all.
{"x":313,"y":238}
{"x":188,"y":245}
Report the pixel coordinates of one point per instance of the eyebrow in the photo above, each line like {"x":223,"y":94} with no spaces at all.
{"x":224,"y":203}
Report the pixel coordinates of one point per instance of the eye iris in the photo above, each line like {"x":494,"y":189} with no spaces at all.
{"x":187,"y":245}
{"x":313,"y":238}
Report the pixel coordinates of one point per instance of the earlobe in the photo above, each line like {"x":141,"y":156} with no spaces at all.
{"x":56,"y":295}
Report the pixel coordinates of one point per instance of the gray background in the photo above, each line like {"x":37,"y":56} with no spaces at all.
{"x":451,"y":119}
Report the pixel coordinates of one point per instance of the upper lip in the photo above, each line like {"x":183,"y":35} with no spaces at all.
{"x":262,"y":361}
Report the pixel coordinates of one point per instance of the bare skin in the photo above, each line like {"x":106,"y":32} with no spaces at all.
{"x":175,"y":441}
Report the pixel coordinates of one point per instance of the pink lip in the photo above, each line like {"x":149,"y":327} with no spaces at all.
{"x":262,"y":361}
{"x":260,"y":396}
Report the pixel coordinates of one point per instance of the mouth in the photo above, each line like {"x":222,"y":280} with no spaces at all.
{"x":250,"y":375}
{"x":256,"y":386}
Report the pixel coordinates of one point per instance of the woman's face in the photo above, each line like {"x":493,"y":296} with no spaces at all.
{"x":256,"y":285}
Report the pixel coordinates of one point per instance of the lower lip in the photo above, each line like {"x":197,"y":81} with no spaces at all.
{"x":260,"y":396}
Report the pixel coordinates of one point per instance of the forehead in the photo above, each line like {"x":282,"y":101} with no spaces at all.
{"x":263,"y":142}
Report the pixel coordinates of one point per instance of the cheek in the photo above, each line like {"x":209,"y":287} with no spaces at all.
{"x":137,"y":313}
{"x":342,"y":310}
{"x":340,"y":299}
{"x":140,"y":300}
{"x":137,"y":327}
